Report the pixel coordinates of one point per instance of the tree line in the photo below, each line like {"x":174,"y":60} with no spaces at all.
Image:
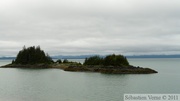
{"x":109,"y":60}
{"x":32,"y":55}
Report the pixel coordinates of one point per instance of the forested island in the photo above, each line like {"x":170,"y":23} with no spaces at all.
{"x":34,"y":57}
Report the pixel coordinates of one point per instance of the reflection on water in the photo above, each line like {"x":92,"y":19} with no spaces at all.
{"x":58,"y":85}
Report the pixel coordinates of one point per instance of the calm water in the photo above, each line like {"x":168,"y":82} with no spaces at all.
{"x":58,"y":85}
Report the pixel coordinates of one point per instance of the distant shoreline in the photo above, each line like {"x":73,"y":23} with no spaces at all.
{"x":86,"y":56}
{"x":35,"y":57}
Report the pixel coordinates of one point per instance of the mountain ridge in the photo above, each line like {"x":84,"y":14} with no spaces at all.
{"x":87,"y":56}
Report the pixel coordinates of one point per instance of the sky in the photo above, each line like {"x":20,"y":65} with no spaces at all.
{"x":79,"y":27}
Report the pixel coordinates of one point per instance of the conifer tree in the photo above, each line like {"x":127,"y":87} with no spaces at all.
{"x":32,"y":55}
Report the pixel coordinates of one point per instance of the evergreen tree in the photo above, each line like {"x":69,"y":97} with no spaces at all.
{"x":94,"y":60}
{"x":59,"y":61}
{"x":115,"y":60}
{"x":65,"y":61}
{"x":32,"y":55}
{"x":110,"y":60}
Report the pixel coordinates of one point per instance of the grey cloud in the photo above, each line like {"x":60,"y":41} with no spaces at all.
{"x":90,"y":26}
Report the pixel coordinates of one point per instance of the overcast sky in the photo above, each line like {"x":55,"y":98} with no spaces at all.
{"x":77,"y":27}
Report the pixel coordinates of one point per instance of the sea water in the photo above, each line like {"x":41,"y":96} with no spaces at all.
{"x":57,"y":85}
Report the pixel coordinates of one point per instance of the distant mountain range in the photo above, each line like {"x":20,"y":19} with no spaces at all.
{"x":132,"y":56}
{"x":86,"y":56}
{"x":7,"y":57}
{"x":154,"y":56}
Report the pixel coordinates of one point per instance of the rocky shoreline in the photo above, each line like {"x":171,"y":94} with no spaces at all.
{"x":35,"y":58}
{"x":93,"y":68}
{"x":113,"y":70}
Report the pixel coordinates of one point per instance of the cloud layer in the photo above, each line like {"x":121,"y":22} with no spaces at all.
{"x":76,"y":27}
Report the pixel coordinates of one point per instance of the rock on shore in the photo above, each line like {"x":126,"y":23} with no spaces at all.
{"x":111,"y":70}
{"x":82,"y":68}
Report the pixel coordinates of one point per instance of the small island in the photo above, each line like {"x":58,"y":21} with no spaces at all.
{"x":34,"y":57}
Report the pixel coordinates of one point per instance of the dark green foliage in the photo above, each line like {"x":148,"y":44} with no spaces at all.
{"x":115,"y":60}
{"x":110,"y":60}
{"x":32,"y":55}
{"x":65,"y":61}
{"x":70,"y":63}
{"x":94,"y":60}
{"x":59,"y":61}
{"x":13,"y":61}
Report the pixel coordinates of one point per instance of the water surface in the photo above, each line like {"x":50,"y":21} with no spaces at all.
{"x":58,"y":85}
